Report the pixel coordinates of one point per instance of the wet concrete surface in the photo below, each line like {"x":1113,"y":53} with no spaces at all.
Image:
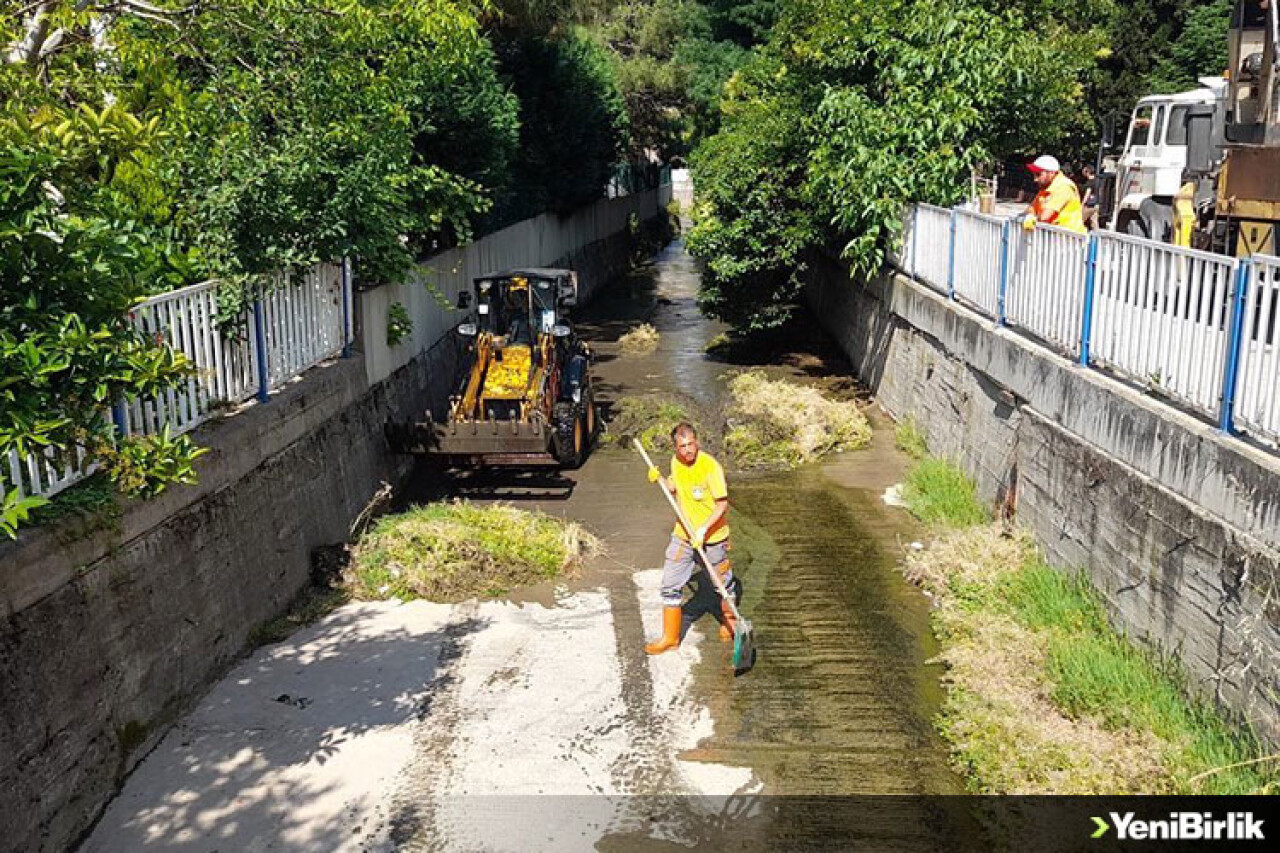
{"x":842,"y":699}
{"x":538,"y":723}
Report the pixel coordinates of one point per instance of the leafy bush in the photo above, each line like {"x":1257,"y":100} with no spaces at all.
{"x":399,"y":324}
{"x":855,"y":108}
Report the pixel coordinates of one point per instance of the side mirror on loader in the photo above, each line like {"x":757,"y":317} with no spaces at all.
{"x":464,"y":299}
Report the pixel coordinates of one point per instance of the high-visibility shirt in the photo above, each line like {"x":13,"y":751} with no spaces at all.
{"x":698,"y":487}
{"x":1059,"y":204}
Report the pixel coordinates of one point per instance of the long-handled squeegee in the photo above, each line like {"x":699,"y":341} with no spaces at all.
{"x":744,"y":644}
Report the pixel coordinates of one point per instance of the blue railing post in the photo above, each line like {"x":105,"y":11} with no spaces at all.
{"x":915,"y":231}
{"x":951,"y":259}
{"x":119,"y":416}
{"x":1001,"y":317}
{"x":1090,"y":282}
{"x":260,"y":338}
{"x":346,"y":307}
{"x":1235,"y":341}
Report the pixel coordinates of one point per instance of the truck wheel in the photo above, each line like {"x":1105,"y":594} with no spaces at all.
{"x":570,"y":436}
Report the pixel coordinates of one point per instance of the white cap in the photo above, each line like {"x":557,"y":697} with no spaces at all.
{"x":1045,"y":163}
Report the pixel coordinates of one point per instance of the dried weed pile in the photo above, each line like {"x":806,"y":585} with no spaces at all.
{"x":454,"y":551}
{"x":778,"y":424}
{"x":1044,"y":698}
{"x":641,"y":340}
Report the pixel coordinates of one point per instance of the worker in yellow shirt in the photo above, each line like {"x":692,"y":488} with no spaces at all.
{"x":1058,"y":202}
{"x":698,"y":484}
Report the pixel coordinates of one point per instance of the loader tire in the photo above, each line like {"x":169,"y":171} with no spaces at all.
{"x":570,"y":436}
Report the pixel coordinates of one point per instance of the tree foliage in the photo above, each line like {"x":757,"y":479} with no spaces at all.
{"x":573,"y":124}
{"x":146,"y":146}
{"x":672,"y":58}
{"x":853,"y":109}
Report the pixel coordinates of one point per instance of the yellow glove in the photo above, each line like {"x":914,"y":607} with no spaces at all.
{"x":654,"y":474}
{"x":1029,"y":223}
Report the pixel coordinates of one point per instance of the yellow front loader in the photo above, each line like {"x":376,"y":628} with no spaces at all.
{"x":523,"y":393}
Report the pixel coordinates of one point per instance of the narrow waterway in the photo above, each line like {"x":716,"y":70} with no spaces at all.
{"x":537,"y":722}
{"x":838,"y":712}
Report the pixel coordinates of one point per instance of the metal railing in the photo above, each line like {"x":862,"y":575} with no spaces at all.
{"x":931,"y":245}
{"x":1257,"y":395}
{"x":1160,"y":315}
{"x":296,"y":323}
{"x":1198,"y":328}
{"x":1045,"y":283}
{"x":978,"y":237}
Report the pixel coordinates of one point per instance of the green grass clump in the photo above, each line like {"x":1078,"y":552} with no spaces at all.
{"x":1032,"y":662}
{"x":454,"y":551}
{"x":909,"y":439}
{"x":779,"y":424}
{"x":1098,"y":673}
{"x":648,"y":418}
{"x":937,"y":492}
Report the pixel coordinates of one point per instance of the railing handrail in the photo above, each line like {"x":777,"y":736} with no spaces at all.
{"x":1180,"y":251}
{"x":1198,"y":328}
{"x":170,"y":295}
{"x":982,"y":217}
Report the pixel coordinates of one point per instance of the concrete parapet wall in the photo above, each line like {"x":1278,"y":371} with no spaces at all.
{"x":1177,"y":525}
{"x":106,"y":636}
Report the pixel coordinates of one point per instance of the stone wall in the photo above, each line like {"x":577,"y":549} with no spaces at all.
{"x":107,"y":635}
{"x":1177,"y":525}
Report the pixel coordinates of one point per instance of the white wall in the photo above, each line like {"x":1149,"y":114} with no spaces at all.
{"x":433,"y":290}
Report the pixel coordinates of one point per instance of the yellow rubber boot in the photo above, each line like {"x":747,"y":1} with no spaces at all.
{"x":671,"y":621}
{"x":727,"y":623}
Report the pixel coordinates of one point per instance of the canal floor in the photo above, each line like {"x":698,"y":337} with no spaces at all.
{"x":538,"y":722}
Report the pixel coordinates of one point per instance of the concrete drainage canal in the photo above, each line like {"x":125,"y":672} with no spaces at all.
{"x":536,"y":721}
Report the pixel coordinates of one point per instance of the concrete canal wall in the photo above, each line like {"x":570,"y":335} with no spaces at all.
{"x":1177,"y":524}
{"x":110,"y":628}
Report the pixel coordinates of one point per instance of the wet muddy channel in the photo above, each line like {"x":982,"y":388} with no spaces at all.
{"x":842,"y":699}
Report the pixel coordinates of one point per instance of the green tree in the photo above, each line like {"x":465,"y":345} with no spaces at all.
{"x":855,"y":108}
{"x":573,"y":124}
{"x":672,"y":58}
{"x":1200,"y":49}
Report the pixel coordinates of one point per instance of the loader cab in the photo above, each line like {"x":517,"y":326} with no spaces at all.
{"x":521,"y":306}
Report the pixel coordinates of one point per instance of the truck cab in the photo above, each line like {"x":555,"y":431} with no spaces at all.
{"x":1151,"y":169}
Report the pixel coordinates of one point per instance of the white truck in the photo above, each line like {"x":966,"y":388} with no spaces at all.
{"x":1202,"y":167}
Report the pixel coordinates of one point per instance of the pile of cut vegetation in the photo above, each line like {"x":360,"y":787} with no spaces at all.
{"x":641,"y":340}
{"x":1044,"y":697}
{"x":778,"y":424}
{"x":649,"y":418}
{"x":454,"y":551}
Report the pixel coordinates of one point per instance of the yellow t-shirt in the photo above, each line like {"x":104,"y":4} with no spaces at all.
{"x":698,"y":487}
